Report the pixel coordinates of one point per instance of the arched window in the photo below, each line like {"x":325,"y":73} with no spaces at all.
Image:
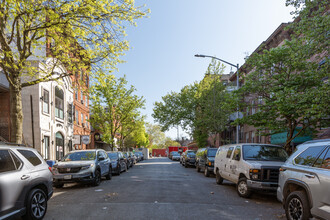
{"x":59,"y":146}
{"x":59,"y":103}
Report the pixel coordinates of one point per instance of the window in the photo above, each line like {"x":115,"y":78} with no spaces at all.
{"x":247,"y":137}
{"x":237,"y":153}
{"x":86,"y":102}
{"x":6,"y":163}
{"x":59,"y":146}
{"x":59,"y":103}
{"x":82,"y":118}
{"x":18,"y":163}
{"x":326,"y":161}
{"x":77,"y":117}
{"x":45,"y":105}
{"x":76,"y":94}
{"x":31,"y":157}
{"x":319,"y":162}
{"x":70,"y":113}
{"x":252,"y":137}
{"x":46,"y":148}
{"x":82,"y":96}
{"x":230,"y":150}
{"x":309,"y":156}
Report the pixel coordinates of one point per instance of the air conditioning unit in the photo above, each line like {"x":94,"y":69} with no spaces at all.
{"x":82,"y":101}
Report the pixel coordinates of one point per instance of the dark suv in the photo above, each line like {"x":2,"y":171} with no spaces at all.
{"x":304,"y":181}
{"x":25,"y":183}
{"x":205,"y":160}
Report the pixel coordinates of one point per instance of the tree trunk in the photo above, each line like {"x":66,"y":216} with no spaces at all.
{"x":16,"y":113}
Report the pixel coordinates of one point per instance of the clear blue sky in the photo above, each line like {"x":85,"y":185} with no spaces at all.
{"x":161,"y":58}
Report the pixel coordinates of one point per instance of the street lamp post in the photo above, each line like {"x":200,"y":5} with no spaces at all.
{"x":237,"y":85}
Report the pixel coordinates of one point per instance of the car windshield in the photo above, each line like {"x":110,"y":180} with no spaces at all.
{"x":212,"y":152}
{"x":82,"y":155}
{"x":191,"y":153}
{"x":113,"y":156}
{"x":264,"y":152}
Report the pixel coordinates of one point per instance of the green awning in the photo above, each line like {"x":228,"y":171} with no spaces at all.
{"x":280,"y":138}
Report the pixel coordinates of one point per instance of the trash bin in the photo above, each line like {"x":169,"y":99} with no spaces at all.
{"x":50,"y":163}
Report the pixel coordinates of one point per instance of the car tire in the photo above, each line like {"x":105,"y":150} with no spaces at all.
{"x":206,"y":172}
{"x":109,"y":175}
{"x":58,"y":185}
{"x":198,"y":168}
{"x":218,"y":178}
{"x":118,"y":170}
{"x":36,"y":205}
{"x":297,"y":206}
{"x":97,"y":178}
{"x":242,"y":188}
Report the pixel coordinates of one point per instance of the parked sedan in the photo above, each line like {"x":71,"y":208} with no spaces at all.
{"x":175,"y":155}
{"x":86,"y":166}
{"x":127,"y":160}
{"x":25,"y":183}
{"x":117,"y":161}
{"x":189,"y":158}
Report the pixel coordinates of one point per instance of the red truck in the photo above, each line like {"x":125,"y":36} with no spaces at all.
{"x":178,"y":149}
{"x":159,"y":152}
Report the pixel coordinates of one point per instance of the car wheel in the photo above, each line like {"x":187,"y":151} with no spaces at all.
{"x":58,"y":185}
{"x":297,"y":206}
{"x":218,"y":178}
{"x":118,"y":170}
{"x":97,"y":178}
{"x":242,"y":188}
{"x":198,"y":168}
{"x":109,"y":175}
{"x":36,"y":205}
{"x":206,"y":172}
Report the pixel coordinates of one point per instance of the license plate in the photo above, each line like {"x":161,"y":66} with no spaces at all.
{"x":67,"y":177}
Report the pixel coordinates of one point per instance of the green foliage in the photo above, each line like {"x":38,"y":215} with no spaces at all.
{"x":155,"y":134}
{"x":293,"y":86}
{"x":202,"y":109}
{"x":115,"y":109}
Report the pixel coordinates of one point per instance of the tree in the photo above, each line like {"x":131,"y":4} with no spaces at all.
{"x":202,"y":108}
{"x":156,"y":136}
{"x":113,"y":106}
{"x":138,"y":137}
{"x":134,"y":128}
{"x":290,"y":79}
{"x":80,"y":34}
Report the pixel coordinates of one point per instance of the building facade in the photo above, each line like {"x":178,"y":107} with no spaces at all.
{"x":48,"y":117}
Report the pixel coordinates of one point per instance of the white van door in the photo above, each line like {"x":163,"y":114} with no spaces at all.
{"x":235,"y":164}
{"x":227,"y":162}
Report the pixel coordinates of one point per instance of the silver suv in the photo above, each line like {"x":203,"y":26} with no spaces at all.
{"x":25,"y":182}
{"x":86,"y":166}
{"x":304,"y":181}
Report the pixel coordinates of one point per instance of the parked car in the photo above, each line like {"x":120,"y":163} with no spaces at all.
{"x":138,"y":156}
{"x":132,"y":158}
{"x":25,"y":183}
{"x":205,"y":160}
{"x":175,"y":155}
{"x":118,"y":163}
{"x":189,"y":158}
{"x":127,"y":160}
{"x":304,"y":181}
{"x":250,"y":166}
{"x":182,"y":157}
{"x":84,"y":166}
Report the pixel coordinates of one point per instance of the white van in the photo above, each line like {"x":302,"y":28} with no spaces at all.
{"x":250,"y":166}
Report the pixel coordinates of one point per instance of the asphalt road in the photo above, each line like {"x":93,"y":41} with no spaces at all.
{"x":159,"y":188}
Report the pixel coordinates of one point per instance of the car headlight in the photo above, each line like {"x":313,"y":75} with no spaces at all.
{"x":87,"y":166}
{"x":255,"y":174}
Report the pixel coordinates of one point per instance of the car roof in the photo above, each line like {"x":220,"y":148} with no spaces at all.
{"x":317,"y":141}
{"x":254,"y":144}
{"x":14,"y":146}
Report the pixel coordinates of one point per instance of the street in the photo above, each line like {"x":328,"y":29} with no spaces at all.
{"x":159,"y":188}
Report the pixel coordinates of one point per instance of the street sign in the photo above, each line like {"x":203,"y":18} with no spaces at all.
{"x":76,"y":139}
{"x":85,"y":139}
